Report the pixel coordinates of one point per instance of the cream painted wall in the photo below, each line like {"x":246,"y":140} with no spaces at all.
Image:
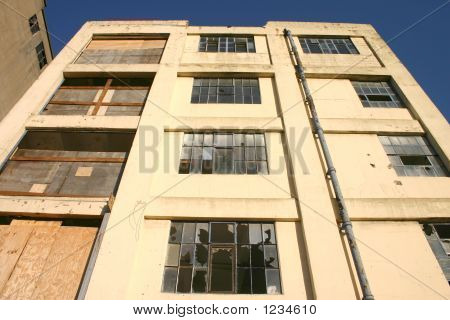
{"x":399,"y":261}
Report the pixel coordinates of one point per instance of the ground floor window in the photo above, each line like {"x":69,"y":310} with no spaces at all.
{"x":222,"y":257}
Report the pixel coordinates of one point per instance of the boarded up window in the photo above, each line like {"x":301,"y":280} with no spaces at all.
{"x":126,"y":51}
{"x":99,"y":96}
{"x":73,"y":164}
{"x":44,"y":259}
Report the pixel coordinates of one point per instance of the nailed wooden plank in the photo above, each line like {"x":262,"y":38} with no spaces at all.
{"x":81,"y":103}
{"x":56,"y":195}
{"x":29,"y":267}
{"x":68,"y":159}
{"x":102,"y":96}
{"x":14,"y":238}
{"x":126,"y":44}
{"x":65,"y":264}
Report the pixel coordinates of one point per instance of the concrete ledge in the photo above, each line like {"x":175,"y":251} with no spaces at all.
{"x":82,"y":122}
{"x":398,"y":209}
{"x":124,"y":70}
{"x":52,"y":207}
{"x":205,"y":123}
{"x":371,"y":126}
{"x":221,"y":208}
{"x":218,"y":69}
{"x":348,"y":72}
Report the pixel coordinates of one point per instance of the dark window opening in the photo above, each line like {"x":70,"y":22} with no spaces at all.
{"x":34,"y":24}
{"x":328,"y":45}
{"x":222,"y":257}
{"x":375,"y":94}
{"x":413,"y":156}
{"x":223,"y":153}
{"x":42,"y":58}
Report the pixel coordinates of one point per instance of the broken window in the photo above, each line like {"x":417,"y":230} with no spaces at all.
{"x":328,"y":45}
{"x":34,"y":24}
{"x":122,"y":51}
{"x":224,"y":43}
{"x":413,"y":156}
{"x":375,"y":94}
{"x":68,"y":163}
{"x":223,"y":153}
{"x":222,"y":257}
{"x":42,"y":58}
{"x":438,"y":236}
{"x":226,"y":90}
{"x":99,"y":97}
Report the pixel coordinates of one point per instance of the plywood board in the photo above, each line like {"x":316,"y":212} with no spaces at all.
{"x":65,"y":264}
{"x":127,"y":44}
{"x":29,"y":267}
{"x":13,"y":238}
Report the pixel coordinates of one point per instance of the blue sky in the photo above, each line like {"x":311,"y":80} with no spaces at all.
{"x":424,"y":49}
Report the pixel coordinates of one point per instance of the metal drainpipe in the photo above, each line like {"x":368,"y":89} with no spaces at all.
{"x":346,"y":224}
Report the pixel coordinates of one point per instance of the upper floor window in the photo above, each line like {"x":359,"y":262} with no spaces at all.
{"x":122,"y":51}
{"x":229,"y":153}
{"x":377,"y":94}
{"x":34,"y":24}
{"x":328,"y":45}
{"x":226,"y":90}
{"x":438,"y":236}
{"x":99,"y":97}
{"x":42,"y":58}
{"x":222,"y":257}
{"x":226,"y":44}
{"x":412,"y":156}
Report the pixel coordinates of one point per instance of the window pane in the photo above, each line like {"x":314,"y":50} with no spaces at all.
{"x":255,"y":233}
{"x":222,"y":232}
{"x":257,"y":256}
{"x":223,"y":161}
{"x":201,"y":255}
{"x":269,"y":233}
{"x":184,"y":280}
{"x":238,"y":139}
{"x":271,"y":257}
{"x":260,"y":153}
{"x":240,"y":167}
{"x":273,"y":281}
{"x":238,"y":153}
{"x":223,"y":140}
{"x":250,"y":153}
{"x":187,"y":255}
{"x":196,"y":166}
{"x":186,"y":153}
{"x":202,"y":234}
{"x":259,"y":140}
{"x":242,"y":233}
{"x":187,"y":139}
{"x":198,"y":139}
{"x":208,"y":139}
{"x":221,"y":269}
{"x":199,"y":280}
{"x":207,"y":153}
{"x":244,"y":281}
{"x":173,"y":253}
{"x":252,"y":167}
{"x":262,"y":167}
{"x":176,"y":229}
{"x":207,"y":167}
{"x":170,"y":279}
{"x":243,"y":256}
{"x":249,"y":140}
{"x":184,"y":166}
{"x":188,"y":233}
{"x":258,"y":280}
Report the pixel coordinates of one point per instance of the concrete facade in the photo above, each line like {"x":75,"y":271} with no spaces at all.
{"x":19,"y":66}
{"x":386,"y":209}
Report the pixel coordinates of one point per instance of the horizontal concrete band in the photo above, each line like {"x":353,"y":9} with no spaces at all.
{"x":82,"y":122}
{"x":124,"y":70}
{"x":384,"y":126}
{"x":212,"y":123}
{"x":413,"y":209}
{"x":46,"y":207}
{"x":220,"y":208}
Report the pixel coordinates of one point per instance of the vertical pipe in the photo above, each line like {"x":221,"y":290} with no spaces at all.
{"x":346,"y":224}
